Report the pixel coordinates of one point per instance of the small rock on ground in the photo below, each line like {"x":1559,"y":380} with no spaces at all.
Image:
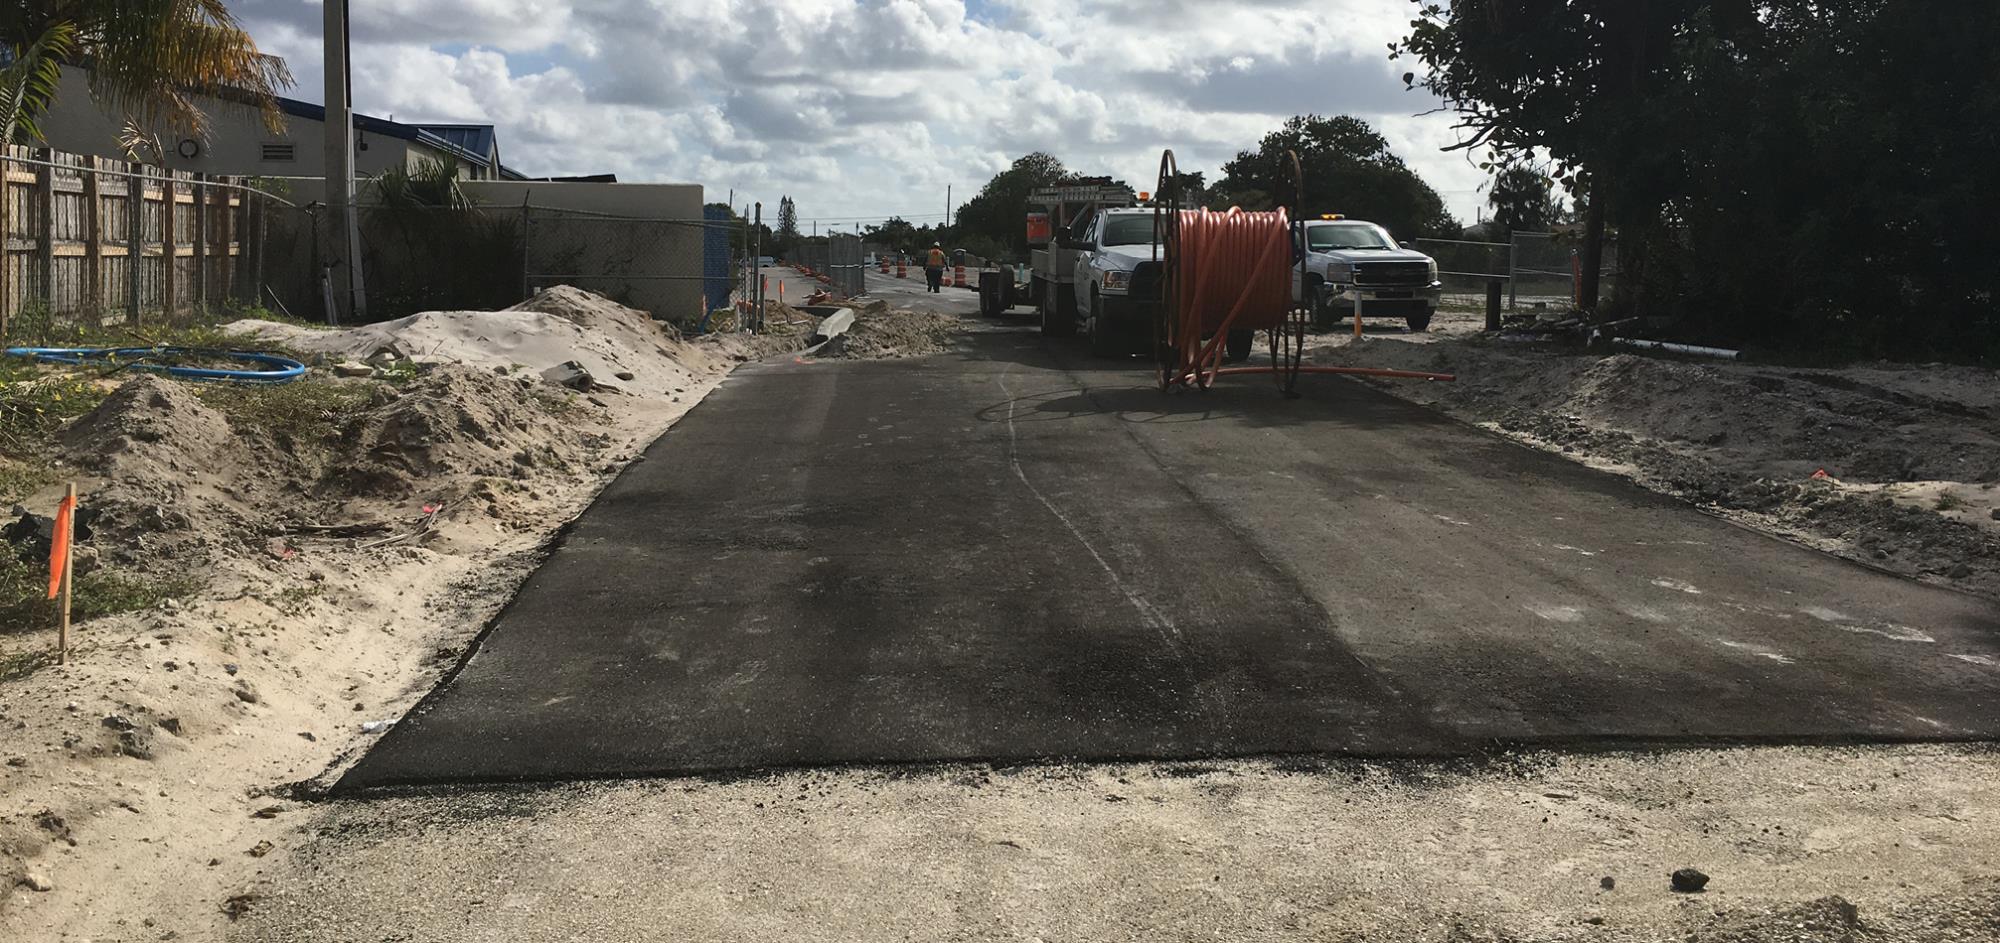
{"x":1689,"y":881}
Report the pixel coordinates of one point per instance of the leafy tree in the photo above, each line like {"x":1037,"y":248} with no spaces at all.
{"x":1349,"y":169}
{"x":788,"y":223}
{"x":1780,"y":173}
{"x":1570,"y":78}
{"x":148,"y":60}
{"x":1000,"y":212}
{"x":29,"y":80}
{"x":1193,"y":187}
{"x":431,"y":184}
{"x":1522,"y":200}
{"x":896,"y":233}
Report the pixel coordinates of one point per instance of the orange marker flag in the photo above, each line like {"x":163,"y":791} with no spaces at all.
{"x":59,"y":547}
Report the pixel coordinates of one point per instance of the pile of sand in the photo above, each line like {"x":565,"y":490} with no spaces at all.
{"x":456,"y":422}
{"x":621,"y":347}
{"x":345,"y":538}
{"x":1911,"y":453}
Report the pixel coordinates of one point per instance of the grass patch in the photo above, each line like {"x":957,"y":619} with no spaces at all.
{"x":1949,"y":502}
{"x":34,"y":403}
{"x":25,"y":606}
{"x":553,"y":401}
{"x":18,"y":665}
{"x":21,"y":478}
{"x":34,"y":327}
{"x":308,"y":410}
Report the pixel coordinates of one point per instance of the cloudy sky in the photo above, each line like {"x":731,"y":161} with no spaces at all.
{"x":861,"y":109}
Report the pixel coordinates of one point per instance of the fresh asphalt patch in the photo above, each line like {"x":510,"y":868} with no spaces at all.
{"x":1015,"y":553}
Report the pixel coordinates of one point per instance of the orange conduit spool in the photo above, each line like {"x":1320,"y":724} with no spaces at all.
{"x":1232,"y":273}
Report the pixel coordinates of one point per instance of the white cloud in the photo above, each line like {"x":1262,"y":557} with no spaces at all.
{"x":870,"y":107}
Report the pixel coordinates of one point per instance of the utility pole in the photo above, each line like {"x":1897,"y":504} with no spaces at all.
{"x":947,"y":206}
{"x":350,"y":298}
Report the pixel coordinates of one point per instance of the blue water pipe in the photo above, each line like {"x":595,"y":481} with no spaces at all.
{"x":280,"y":369}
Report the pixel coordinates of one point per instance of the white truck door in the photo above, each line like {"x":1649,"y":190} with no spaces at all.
{"x":1083,"y":279}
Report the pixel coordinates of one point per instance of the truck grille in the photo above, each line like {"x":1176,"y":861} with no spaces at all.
{"x":1392,"y":273}
{"x":1146,"y":282}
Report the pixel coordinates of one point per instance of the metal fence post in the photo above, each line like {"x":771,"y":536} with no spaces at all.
{"x":1513,"y":268}
{"x":255,"y":208}
{"x":757,"y":267}
{"x":527,"y":223}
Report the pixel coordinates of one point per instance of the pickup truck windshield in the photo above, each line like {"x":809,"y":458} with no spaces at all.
{"x":1128,"y":230}
{"x":1327,"y":237}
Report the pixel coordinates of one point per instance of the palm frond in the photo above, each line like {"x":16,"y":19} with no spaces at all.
{"x":155,"y":60}
{"x":30,"y":79}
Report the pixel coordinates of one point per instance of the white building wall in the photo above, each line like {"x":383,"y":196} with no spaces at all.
{"x":235,"y":143}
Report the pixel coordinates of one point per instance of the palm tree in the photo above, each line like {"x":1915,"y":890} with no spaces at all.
{"x":150,"y":61}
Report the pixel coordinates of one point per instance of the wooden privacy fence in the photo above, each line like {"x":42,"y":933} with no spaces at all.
{"x":97,"y":241}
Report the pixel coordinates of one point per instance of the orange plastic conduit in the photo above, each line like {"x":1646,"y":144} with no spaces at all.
{"x":1234,"y":275}
{"x":1346,"y":371}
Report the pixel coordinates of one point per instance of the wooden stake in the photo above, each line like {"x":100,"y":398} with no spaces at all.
{"x":69,"y":555}
{"x":1357,"y":315}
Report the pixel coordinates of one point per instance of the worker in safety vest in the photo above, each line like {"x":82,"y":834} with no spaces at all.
{"x":934,"y":267}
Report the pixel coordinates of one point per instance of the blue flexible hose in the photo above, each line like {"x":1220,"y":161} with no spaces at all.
{"x":283,"y":369}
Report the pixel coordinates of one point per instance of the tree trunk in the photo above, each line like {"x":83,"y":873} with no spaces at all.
{"x":1592,"y":260}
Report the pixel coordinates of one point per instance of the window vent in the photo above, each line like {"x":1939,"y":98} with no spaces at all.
{"x":281,"y":152}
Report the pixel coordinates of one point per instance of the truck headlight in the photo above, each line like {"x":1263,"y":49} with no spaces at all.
{"x":1117,"y":281}
{"x":1434,"y":271}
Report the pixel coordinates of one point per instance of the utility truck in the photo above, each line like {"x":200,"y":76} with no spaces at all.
{"x":1097,"y":269}
{"x":1060,"y":221}
{"x":1350,"y":262}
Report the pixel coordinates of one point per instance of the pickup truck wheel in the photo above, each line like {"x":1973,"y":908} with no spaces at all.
{"x":1054,"y":324}
{"x":1419,"y":321}
{"x":1324,"y":313}
{"x":1237,"y":348}
{"x":1103,"y":342}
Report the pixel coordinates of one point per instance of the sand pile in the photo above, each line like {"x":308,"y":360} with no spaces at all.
{"x":162,"y":454}
{"x":455,"y":421}
{"x":149,"y":427}
{"x":621,"y":347}
{"x":1911,"y":453}
{"x":322,"y":551}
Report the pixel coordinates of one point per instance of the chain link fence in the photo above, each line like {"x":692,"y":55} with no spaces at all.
{"x":1546,"y":268}
{"x":1536,"y":269}
{"x":840,"y":257}
{"x":88,"y":241}
{"x":655,"y":265}
{"x":1466,"y":268}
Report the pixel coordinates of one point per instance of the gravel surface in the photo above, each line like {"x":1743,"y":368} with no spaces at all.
{"x":1799,"y":844}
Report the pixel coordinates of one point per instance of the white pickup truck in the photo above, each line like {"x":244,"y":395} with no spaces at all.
{"x":1350,"y":261}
